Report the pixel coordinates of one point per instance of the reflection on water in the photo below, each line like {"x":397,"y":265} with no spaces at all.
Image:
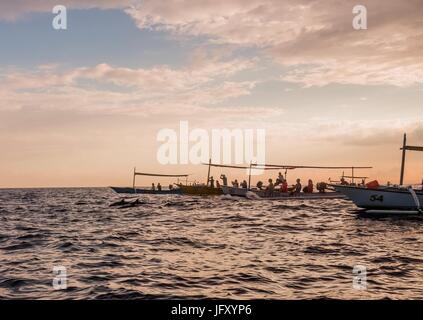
{"x":218,"y":247}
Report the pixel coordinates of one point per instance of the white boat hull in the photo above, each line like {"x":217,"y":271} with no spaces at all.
{"x":384,"y":198}
{"x":276,"y":195}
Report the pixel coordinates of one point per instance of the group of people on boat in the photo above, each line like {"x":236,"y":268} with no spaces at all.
{"x":159,"y":187}
{"x":283,"y":183}
{"x":271,"y":187}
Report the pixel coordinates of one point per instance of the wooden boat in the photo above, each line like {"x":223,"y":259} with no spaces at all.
{"x":199,"y":190}
{"x":276,"y":195}
{"x":254,"y":193}
{"x":387,"y":199}
{"x":129,"y":190}
{"x":136,"y":190}
{"x":383,"y":197}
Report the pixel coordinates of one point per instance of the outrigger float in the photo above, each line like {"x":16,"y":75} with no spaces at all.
{"x":136,"y":190}
{"x":375,"y":198}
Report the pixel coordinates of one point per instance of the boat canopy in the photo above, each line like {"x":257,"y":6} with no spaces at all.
{"x":412,"y":148}
{"x":155,"y":175}
{"x":308,"y":167}
{"x":256,"y":166}
{"x":253,"y":166}
{"x":160,"y":175}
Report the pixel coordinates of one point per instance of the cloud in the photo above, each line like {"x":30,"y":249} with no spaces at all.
{"x":315,"y":38}
{"x":12,"y":10}
{"x":371,"y":133}
{"x":195,"y":91}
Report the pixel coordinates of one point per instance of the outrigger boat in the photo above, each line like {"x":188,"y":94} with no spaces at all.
{"x":136,"y":190}
{"x":375,"y":198}
{"x":201,"y":189}
{"x":257,"y":194}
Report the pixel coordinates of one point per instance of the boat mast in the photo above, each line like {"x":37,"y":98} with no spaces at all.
{"x":404,"y":144}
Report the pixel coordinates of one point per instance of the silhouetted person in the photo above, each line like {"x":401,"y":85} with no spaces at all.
{"x":270,"y":187}
{"x":297,"y":188}
{"x":224,"y":179}
{"x":259,"y":185}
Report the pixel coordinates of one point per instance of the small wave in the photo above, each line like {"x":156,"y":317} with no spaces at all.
{"x":19,"y":246}
{"x":320,"y":250}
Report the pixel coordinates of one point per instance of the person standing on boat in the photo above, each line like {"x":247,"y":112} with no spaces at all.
{"x":153,"y":187}
{"x":224,"y":179}
{"x":211,"y":182}
{"x":159,"y":187}
{"x":280,"y":179}
{"x":284,"y":185}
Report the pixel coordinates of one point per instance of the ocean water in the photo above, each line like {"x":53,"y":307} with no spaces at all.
{"x":192,"y":247}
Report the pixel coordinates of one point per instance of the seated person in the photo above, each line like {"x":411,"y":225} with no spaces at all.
{"x":244,"y":184}
{"x":270,"y":187}
{"x":259,"y":185}
{"x":217,"y":184}
{"x":235,"y":184}
{"x":159,"y":187}
{"x":344,"y":182}
{"x":321,"y":187}
{"x":309,"y":188}
{"x":284,"y":186}
{"x":153,"y":187}
{"x":297,"y":187}
{"x":170,"y":187}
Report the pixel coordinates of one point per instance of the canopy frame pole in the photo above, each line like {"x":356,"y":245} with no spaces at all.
{"x":208,"y":173}
{"x":249,"y":176}
{"x":133,"y":180}
{"x":404,"y":149}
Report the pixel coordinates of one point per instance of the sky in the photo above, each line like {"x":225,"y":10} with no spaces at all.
{"x":83,"y":106}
